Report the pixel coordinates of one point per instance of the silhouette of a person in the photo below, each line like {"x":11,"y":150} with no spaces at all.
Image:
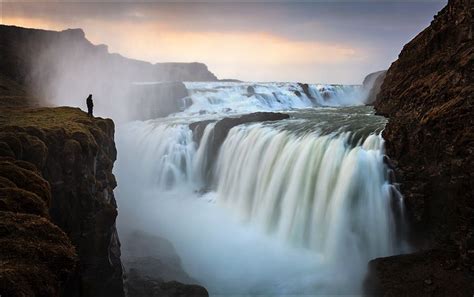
{"x":90,"y":105}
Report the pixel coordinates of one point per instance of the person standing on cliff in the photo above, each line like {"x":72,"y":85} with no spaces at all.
{"x":90,"y":105}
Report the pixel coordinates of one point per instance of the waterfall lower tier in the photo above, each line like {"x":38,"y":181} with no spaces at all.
{"x":313,"y":191}
{"x":281,"y":210}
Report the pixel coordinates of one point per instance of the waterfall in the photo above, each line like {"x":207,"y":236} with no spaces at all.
{"x":292,"y":207}
{"x":313,"y":191}
{"x":222,"y":97}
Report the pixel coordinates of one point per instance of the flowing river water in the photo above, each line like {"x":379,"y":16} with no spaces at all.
{"x":291,"y":207}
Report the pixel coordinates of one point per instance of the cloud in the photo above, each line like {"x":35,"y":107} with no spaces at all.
{"x":337,"y":38}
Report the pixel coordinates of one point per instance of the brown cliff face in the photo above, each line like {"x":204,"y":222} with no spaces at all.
{"x":75,"y":154}
{"x":428,"y":95}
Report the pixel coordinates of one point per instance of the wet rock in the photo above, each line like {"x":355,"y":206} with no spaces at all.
{"x":307,"y":92}
{"x":250,"y":91}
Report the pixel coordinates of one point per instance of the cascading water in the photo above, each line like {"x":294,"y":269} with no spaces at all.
{"x":291,"y":207}
{"x":218,"y":97}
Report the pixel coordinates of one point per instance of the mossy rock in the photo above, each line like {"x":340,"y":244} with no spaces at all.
{"x":35,"y":256}
{"x":26,"y":179}
{"x":21,"y":201}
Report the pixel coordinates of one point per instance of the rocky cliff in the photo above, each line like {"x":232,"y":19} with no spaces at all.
{"x":28,"y":53}
{"x":428,"y":96}
{"x":58,"y":168}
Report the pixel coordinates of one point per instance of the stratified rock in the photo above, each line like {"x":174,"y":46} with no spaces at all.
{"x":372,"y":84}
{"x":428,"y":95}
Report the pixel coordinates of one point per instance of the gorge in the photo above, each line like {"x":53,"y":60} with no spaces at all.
{"x":205,"y":187}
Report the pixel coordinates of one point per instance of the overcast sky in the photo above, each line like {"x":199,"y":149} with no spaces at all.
{"x":329,"y":42}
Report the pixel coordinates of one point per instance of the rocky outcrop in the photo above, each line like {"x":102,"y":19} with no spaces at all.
{"x":372,"y":84}
{"x":154,"y":269}
{"x":428,"y":96}
{"x":158,"y":100}
{"x":306,"y":91}
{"x":75,"y":155}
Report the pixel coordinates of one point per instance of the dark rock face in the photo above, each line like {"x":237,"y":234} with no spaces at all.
{"x":154,"y":269}
{"x":158,"y":100}
{"x":75,"y":154}
{"x":306,"y":91}
{"x":428,"y":95}
{"x":139,"y":286}
{"x":426,"y":273}
{"x":372,"y":84}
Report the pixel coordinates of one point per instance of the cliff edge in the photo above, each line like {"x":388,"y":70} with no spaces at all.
{"x":428,"y":96}
{"x":57,"y":170}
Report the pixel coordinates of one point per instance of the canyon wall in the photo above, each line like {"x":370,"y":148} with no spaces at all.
{"x":428,"y":96}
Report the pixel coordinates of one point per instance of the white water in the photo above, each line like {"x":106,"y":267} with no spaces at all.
{"x":230,"y":97}
{"x":289,"y":211}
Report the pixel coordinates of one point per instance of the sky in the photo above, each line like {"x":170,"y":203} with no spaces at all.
{"x":304,"y":41}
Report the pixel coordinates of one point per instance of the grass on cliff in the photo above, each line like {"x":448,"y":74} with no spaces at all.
{"x":72,"y":120}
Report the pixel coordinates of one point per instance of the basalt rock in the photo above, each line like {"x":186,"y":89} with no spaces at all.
{"x":58,"y":165}
{"x":428,"y":96}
